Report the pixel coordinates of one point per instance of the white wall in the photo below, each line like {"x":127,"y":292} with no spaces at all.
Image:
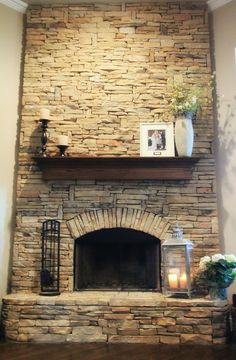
{"x":11,"y":29}
{"x":224,"y":29}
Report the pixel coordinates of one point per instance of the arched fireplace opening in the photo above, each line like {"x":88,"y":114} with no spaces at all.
{"x":117,"y":259}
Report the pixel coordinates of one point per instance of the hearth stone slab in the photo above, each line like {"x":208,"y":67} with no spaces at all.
{"x":125,"y":317}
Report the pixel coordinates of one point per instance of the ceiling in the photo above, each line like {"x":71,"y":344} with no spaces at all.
{"x":45,"y":2}
{"x":21,"y":6}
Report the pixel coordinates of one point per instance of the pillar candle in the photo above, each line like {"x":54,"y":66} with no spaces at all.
{"x":173,"y":281}
{"x":44,"y":114}
{"x":183,"y":280}
{"x":62,"y":140}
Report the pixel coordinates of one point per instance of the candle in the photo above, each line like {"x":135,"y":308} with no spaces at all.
{"x":173,"y":281}
{"x":183,"y":281}
{"x":62,"y":140}
{"x":44,"y":114}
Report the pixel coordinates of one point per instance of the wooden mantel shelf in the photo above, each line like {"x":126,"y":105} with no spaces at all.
{"x":116,"y":168}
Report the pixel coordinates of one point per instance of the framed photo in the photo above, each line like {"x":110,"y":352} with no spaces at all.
{"x":157,"y":139}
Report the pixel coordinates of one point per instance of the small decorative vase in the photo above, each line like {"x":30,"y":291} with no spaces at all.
{"x":184,"y":135}
{"x":217,"y":293}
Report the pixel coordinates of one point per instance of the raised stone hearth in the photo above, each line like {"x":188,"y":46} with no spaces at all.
{"x":130,"y":317}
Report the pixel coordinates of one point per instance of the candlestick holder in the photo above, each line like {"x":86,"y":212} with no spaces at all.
{"x":62,"y":149}
{"x":44,"y":136}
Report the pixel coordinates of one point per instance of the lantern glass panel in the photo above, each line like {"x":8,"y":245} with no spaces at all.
{"x":176,"y":258}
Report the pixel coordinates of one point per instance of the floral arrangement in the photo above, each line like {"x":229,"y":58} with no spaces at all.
{"x":184,"y":101}
{"x":217,"y":272}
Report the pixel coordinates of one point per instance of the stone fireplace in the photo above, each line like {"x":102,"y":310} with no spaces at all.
{"x":120,"y":251}
{"x":102,"y":70}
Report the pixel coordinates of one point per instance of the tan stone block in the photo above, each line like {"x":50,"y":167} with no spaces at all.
{"x":32,"y":330}
{"x":118,"y":316}
{"x":148,"y":332}
{"x":128,"y":331}
{"x":26,"y":322}
{"x":181,"y":329}
{"x":199,"y":313}
{"x":193,"y":321}
{"x":203,"y":329}
{"x":56,"y":323}
{"x":87,"y":334}
{"x":22,"y":338}
{"x":47,"y":338}
{"x":127,"y":30}
{"x":133,"y":339}
{"x":109,"y":331}
{"x":166,"y":321}
{"x":11,"y":335}
{"x":60,"y":330}
{"x":196,"y":339}
{"x":169,"y":339}
{"x":120,"y":309}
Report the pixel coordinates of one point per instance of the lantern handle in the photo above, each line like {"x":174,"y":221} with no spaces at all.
{"x":177,"y":232}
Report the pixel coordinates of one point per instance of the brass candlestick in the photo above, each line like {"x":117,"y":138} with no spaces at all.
{"x":44,"y":136}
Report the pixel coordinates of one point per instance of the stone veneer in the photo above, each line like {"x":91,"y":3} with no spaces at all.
{"x":102,"y":70}
{"x":114,"y":317}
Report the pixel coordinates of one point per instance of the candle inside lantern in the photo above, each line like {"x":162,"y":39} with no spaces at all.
{"x":183,"y":280}
{"x":62,"y":140}
{"x":173,"y":281}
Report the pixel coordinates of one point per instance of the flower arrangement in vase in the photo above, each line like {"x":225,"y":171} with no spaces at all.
{"x":184,"y":105}
{"x":217,"y":272}
{"x":184,"y":101}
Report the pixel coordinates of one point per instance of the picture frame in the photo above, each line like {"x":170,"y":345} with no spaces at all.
{"x":157,"y":139}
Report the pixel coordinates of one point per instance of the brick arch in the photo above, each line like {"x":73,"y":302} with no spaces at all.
{"x":145,"y":221}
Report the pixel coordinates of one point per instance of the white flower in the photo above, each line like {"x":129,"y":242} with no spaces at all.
{"x":194,"y":100}
{"x":217,"y":257}
{"x":203,"y":261}
{"x":230,"y":258}
{"x":202,"y":266}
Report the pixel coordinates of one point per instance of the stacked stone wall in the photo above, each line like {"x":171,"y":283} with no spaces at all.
{"x":102,"y":70}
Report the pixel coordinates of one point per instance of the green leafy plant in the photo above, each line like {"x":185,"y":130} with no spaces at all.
{"x":217,"y":272}
{"x":184,"y":101}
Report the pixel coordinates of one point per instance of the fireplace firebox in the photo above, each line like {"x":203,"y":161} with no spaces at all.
{"x":117,"y":259}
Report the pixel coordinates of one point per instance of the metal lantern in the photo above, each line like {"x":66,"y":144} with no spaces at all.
{"x":176,"y":264}
{"x":49,"y":275}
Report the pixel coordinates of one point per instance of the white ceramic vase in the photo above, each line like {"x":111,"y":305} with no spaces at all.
{"x":184,"y":135}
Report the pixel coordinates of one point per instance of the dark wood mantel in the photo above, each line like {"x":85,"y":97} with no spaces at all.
{"x":116,"y":168}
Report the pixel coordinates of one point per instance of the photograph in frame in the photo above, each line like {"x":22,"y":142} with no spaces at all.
{"x":157,"y":139}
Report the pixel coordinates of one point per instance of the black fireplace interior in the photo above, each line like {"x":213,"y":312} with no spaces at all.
{"x":117,"y":259}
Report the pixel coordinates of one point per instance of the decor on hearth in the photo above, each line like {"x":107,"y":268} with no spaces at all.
{"x":184,"y":104}
{"x":49,"y":275}
{"x":157,"y":139}
{"x":176,"y":264}
{"x":217,"y":272}
{"x":44,"y":119}
{"x":62,"y":143}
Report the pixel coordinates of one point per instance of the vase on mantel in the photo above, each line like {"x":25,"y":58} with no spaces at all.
{"x":184,"y":134}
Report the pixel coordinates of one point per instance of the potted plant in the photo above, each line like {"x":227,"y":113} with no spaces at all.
{"x":184,"y":105}
{"x":217,"y":272}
